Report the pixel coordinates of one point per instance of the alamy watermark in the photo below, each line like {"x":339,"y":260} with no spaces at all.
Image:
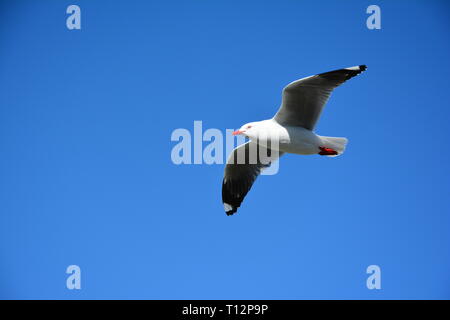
{"x":374,"y":280}
{"x":374,"y":20}
{"x":73,"y":22}
{"x":73,"y":281}
{"x":213,"y":147}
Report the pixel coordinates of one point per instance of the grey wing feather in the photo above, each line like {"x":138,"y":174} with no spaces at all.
{"x":303,"y":100}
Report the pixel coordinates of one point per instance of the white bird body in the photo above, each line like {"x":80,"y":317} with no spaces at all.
{"x":292,"y":139}
{"x":289,"y":131}
{"x":299,"y":141}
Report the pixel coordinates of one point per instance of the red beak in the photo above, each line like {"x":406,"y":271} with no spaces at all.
{"x":237,"y":132}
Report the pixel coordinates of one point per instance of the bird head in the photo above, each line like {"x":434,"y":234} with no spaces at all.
{"x":248,"y":129}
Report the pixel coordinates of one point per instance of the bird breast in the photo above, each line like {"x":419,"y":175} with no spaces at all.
{"x":296,"y":140}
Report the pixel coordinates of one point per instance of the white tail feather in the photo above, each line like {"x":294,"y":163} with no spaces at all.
{"x":335,"y":143}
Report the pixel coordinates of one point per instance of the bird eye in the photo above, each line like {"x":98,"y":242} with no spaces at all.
{"x":248,"y":127}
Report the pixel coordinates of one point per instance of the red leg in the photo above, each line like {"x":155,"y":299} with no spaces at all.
{"x":327,"y":151}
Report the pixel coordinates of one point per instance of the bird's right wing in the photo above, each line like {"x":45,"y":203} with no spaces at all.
{"x":243,"y":167}
{"x":303,"y":100}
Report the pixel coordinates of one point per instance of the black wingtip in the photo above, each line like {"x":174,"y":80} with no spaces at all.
{"x":230,"y":209}
{"x":232,"y":197}
{"x":341,"y":75}
{"x":231,"y":212}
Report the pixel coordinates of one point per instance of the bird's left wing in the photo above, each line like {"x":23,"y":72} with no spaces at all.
{"x":243,"y":167}
{"x":303,"y":100}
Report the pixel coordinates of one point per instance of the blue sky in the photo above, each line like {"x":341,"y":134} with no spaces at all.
{"x":86,"y":175}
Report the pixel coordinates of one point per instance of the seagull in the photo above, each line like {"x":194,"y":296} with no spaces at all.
{"x":289,"y":131}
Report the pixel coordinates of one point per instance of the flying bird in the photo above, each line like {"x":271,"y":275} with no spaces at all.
{"x":289,"y":131}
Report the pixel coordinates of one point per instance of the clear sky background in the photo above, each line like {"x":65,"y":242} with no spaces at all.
{"x":86,"y":176}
